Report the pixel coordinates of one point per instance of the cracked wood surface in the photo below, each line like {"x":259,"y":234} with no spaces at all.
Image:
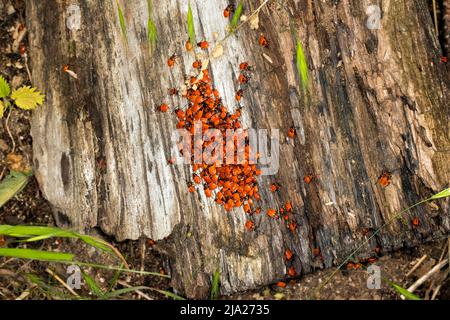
{"x":379,"y":101}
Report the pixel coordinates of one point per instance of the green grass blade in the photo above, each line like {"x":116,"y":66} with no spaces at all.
{"x":152,"y":34}
{"x":123,"y":26}
{"x":408,"y":295}
{"x":35,"y":254}
{"x":215,"y":286}
{"x":302,"y":66}
{"x":191,"y":27}
{"x":114,"y":280}
{"x":237,"y":15}
{"x":12,"y":185}
{"x":443,"y":194}
{"x":168,"y":294}
{"x":37,"y":233}
{"x":92,"y":285}
{"x":119,"y":292}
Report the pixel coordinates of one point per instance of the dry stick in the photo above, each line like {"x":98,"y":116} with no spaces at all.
{"x":9,"y":131}
{"x":426,"y":276}
{"x":435,"y":292}
{"x":139,"y":292}
{"x":54,"y":275}
{"x":142,"y":254}
{"x":414,"y":268}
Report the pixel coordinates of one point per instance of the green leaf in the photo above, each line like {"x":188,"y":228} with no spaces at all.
{"x":35,"y":254}
{"x":237,"y":15}
{"x":443,"y":194}
{"x":302,"y":66}
{"x":408,"y":295}
{"x":92,"y":285}
{"x":12,"y":185}
{"x":123,"y":26}
{"x":215,"y":285}
{"x":5,"y":90}
{"x":2,"y":109}
{"x":27,"y":98}
{"x":191,"y":27}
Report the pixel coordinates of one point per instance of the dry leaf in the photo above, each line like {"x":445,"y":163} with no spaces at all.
{"x":254,"y":22}
{"x":244,"y":18}
{"x":217,"y":51}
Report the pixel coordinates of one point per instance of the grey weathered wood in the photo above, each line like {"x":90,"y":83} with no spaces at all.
{"x":379,"y":101}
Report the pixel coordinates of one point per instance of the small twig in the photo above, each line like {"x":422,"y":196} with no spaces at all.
{"x":9,"y":131}
{"x":23,"y":295}
{"x":414,"y":268}
{"x":427,"y":275}
{"x":26,"y":66}
{"x":435,"y":292}
{"x":61,"y":281}
{"x":448,"y":248}
{"x":143,"y":254}
{"x":139,"y":292}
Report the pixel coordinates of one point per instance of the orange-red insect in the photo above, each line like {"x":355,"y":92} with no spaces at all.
{"x":245,"y":66}
{"x":385,"y":179}
{"x":274,"y":187}
{"x":263,"y":42}
{"x":191,"y":188}
{"x":288,"y":206}
{"x":188,"y":46}
{"x":171,"y":60}
{"x":197,"y":64}
{"x":416,"y":222}
{"x":151,"y":242}
{"x":238,"y":95}
{"x":444,"y":59}
{"x":228,"y":11}
{"x":292,"y":272}
{"x":203,"y":44}
{"x":292,"y":133}
{"x":163,"y":107}
{"x":243,"y":78}
{"x":22,"y":49}
{"x":281,"y":284}
{"x":171,"y":161}
{"x":292,"y":225}
{"x":173,"y":91}
{"x":308,"y":179}
{"x":249,"y":225}
{"x":288,"y":254}
{"x":271,"y":213}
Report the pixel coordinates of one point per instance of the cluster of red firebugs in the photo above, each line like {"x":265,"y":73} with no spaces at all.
{"x":235,"y":185}
{"x":232,"y":185}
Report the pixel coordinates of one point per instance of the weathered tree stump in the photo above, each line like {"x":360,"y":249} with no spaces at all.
{"x":378,"y":101}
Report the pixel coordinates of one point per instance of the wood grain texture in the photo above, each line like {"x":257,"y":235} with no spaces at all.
{"x":378,"y":101}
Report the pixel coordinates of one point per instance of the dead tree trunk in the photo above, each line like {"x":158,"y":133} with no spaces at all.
{"x":378,"y":101}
